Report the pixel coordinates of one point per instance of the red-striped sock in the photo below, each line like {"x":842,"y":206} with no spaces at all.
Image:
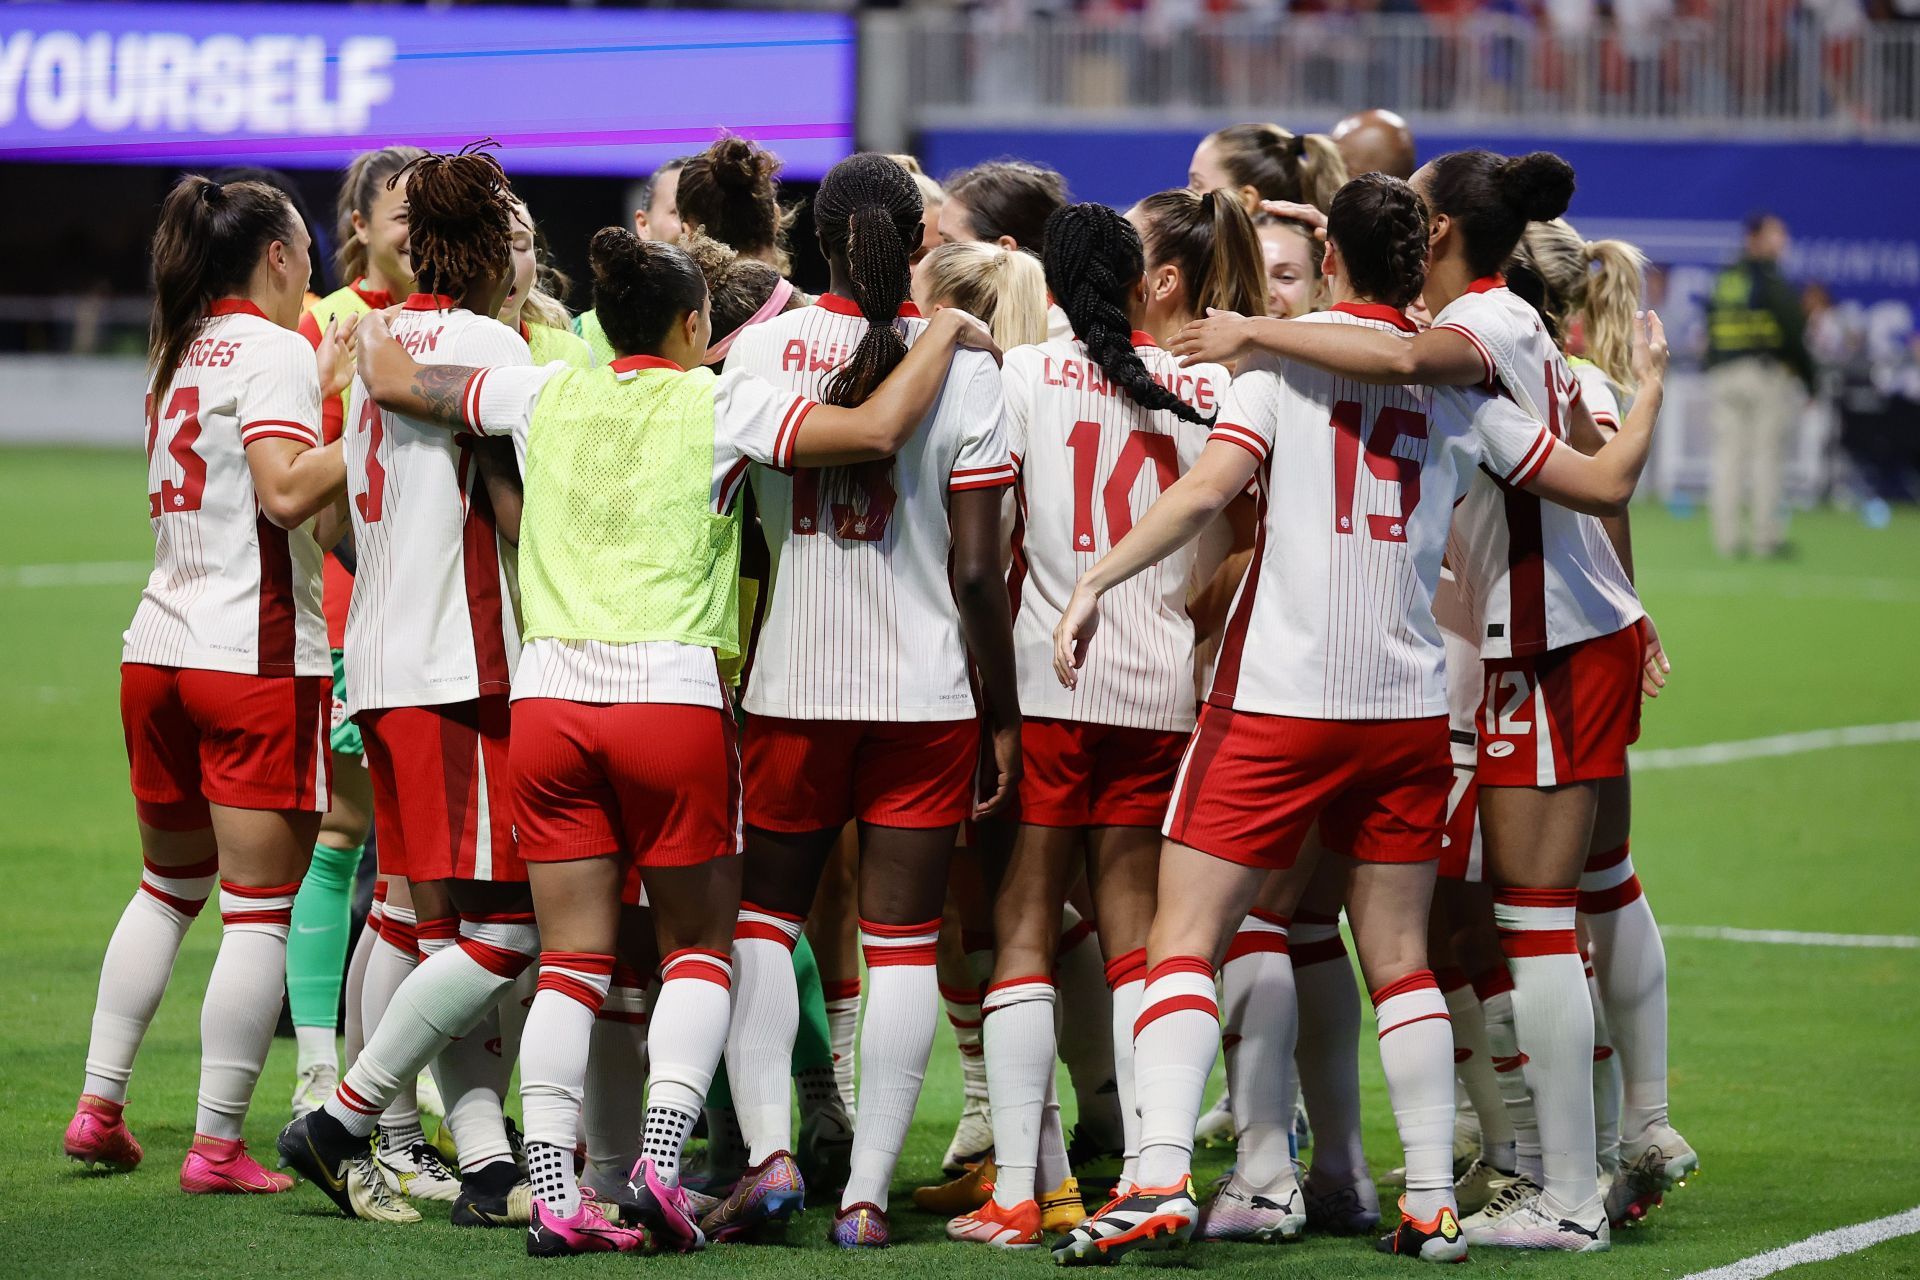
{"x":243,"y":1002}
{"x":896,"y":1037}
{"x":1262,"y":1023}
{"x":1416,"y":1053}
{"x":1127,"y":979}
{"x":1019,"y":1050}
{"x":766,"y":1018}
{"x":1553,"y":1020}
{"x":1630,"y":964}
{"x":553,"y":1068}
{"x":1174,"y":1043}
{"x":689,"y":1033}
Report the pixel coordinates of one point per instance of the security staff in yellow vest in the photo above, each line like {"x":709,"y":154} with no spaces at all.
{"x":1758,"y":372}
{"x":623,"y":736}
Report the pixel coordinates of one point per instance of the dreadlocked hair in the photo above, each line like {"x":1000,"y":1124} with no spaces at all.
{"x":868,"y":213}
{"x":460,"y":219}
{"x":1093,"y":260}
{"x":365,"y":179}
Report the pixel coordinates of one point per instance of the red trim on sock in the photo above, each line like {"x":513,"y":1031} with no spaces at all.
{"x":699,"y":963}
{"x":1043,"y":979}
{"x":1306,"y":953}
{"x":567,"y":985}
{"x":1129,"y":966}
{"x":192,"y":871}
{"x":379,"y":891}
{"x":1171,"y":1005}
{"x":1601,"y":1052}
{"x":503,"y":962}
{"x":1601,"y":901}
{"x":352,"y":1101}
{"x":1535,"y":897}
{"x":1250,"y":942}
{"x":788,"y":916}
{"x":959,"y":995}
{"x":1269,"y":917}
{"x":1518,"y":944}
{"x":1181,"y":964}
{"x":841,"y":989}
{"x":1418,"y":980}
{"x":900,"y":930}
{"x":883,"y":957}
{"x":188,"y":907}
{"x":760,"y":931}
{"x":1073,"y":938}
{"x":1443,"y":1015}
{"x":1494,"y":982}
{"x":282,"y":916}
{"x":1608,"y":858}
{"x":258,"y":891}
{"x":585,"y":961}
{"x":1450,"y":979}
{"x":498,"y":917}
{"x":964,"y":1024}
{"x":625,"y":975}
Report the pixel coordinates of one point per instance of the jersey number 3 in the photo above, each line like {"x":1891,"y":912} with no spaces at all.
{"x":1382,"y":461}
{"x":1141,"y":448}
{"x":183,"y":422}
{"x":371,"y":422}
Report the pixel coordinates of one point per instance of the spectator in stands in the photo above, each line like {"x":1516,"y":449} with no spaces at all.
{"x":1757,"y":372}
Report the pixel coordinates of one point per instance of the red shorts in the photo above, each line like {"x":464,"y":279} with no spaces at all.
{"x":657,"y":782}
{"x":197,"y":737}
{"x":442,"y":804}
{"x":811,"y":775}
{"x":1460,"y":851}
{"x":1563,"y":716}
{"x":1096,"y":775}
{"x":1251,"y":786}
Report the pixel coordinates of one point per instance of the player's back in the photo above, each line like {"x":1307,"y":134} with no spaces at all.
{"x":230,"y":590}
{"x":433,"y":618}
{"x":1091,"y":462}
{"x":860,"y":622}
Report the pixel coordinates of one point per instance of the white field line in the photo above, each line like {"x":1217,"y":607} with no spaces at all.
{"x":1820,"y":1248}
{"x":95,"y":573}
{"x":1791,"y":938}
{"x":1779,"y":744}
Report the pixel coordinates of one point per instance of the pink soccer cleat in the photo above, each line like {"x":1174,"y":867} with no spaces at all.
{"x":98,"y":1136}
{"x":551,"y":1236}
{"x":222,"y":1167}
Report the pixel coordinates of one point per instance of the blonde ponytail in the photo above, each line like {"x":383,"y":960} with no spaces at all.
{"x":1598,"y":282}
{"x":1004,"y":288}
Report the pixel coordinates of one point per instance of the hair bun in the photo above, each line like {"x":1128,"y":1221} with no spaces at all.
{"x":1539,"y":185}
{"x":738,"y":165}
{"x":618,"y":258}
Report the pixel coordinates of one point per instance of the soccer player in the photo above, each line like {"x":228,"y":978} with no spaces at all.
{"x":657,"y":218}
{"x":887,"y":579}
{"x":431,"y":643}
{"x":1292,"y":255}
{"x":624,"y":751}
{"x":1259,"y":162}
{"x":1342,"y":719}
{"x":1004,"y":288}
{"x":731,"y":191}
{"x":1562,"y":643}
{"x":1006,"y":202}
{"x":533,"y":308}
{"x":1099,"y":425}
{"x":223,"y":691}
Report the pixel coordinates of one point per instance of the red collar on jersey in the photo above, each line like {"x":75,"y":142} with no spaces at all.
{"x":234,"y":307}
{"x":378,"y":299}
{"x":633,"y":364}
{"x":1141,"y":338}
{"x":1377,"y":311}
{"x":428,"y":302}
{"x":848,"y":307}
{"x":1486,"y":283}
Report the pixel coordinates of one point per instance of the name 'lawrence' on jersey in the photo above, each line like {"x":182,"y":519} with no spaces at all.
{"x":435,"y":617}
{"x":1537,"y":575}
{"x":230,"y":590}
{"x":860,"y":622}
{"x":1334,"y":620}
{"x":1091,"y":462}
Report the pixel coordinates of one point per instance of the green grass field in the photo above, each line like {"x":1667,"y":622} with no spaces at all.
{"x":1796,"y":1070}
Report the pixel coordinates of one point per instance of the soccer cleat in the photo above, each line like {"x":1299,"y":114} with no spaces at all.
{"x":587,"y":1231}
{"x":670,"y":1212}
{"x":972,"y":1138}
{"x":497,"y":1195}
{"x":419,"y":1173}
{"x":1539,"y":1222}
{"x":1062,"y":1209}
{"x":313,"y":1087}
{"x":1660,"y":1164}
{"x":1016,"y":1228}
{"x":1098,"y":1168}
{"x":962,"y":1195}
{"x":1237,"y":1211}
{"x":1215,"y":1126}
{"x":766,"y":1196}
{"x":861,"y":1226}
{"x":1351,"y":1210}
{"x":1150,"y":1218}
{"x":97,"y":1135}
{"x":1436,"y":1240}
{"x":1508,"y":1194}
{"x":221,"y":1166}
{"x":341,"y":1165}
{"x":826,"y":1149}
{"x":1475,"y":1188}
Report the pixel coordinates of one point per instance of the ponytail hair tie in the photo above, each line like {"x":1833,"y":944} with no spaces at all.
{"x":212,"y":192}
{"x":1297,"y":145}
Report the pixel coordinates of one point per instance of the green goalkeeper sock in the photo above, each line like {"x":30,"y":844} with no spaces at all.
{"x":317,"y":945}
{"x":812,"y":1045}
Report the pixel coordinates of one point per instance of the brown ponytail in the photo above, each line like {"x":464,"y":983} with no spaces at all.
{"x":1278,"y":165}
{"x":362,"y":184}
{"x":1214,"y":244}
{"x":207,"y":246}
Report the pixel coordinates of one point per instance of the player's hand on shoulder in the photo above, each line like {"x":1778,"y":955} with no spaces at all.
{"x":1219,"y":337}
{"x":1078,"y":622}
{"x":951,"y":324}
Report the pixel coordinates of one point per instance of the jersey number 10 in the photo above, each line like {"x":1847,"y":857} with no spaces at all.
{"x":1382,"y":462}
{"x":1141,"y":448}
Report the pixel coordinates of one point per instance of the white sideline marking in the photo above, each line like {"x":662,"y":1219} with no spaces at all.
{"x":1790,"y":938}
{"x":1828,"y":1244}
{"x":94,"y":573}
{"x":1779,"y":744}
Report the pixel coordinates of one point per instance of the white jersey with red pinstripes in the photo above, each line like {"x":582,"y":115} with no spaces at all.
{"x":1603,"y":399}
{"x":860,"y":622}
{"x":1538,"y":576}
{"x":1091,"y":462}
{"x":230,"y":590}
{"x":1334,"y":620}
{"x":435,"y":615}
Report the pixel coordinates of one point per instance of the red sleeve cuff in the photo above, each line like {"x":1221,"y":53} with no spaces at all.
{"x":788,"y":435}
{"x":1233,"y":433}
{"x":470,"y":400}
{"x":1536,"y":458}
{"x":278,"y":429}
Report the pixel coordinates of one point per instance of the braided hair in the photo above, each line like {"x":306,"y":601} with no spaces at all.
{"x":460,"y":219}
{"x":868,"y":214}
{"x":1093,"y":260}
{"x":1379,"y":225}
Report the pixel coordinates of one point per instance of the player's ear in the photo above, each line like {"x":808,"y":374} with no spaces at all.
{"x":640,"y":225}
{"x":1437,"y":228}
{"x":1250,"y":197}
{"x":1007,"y":242}
{"x":1330,"y":261}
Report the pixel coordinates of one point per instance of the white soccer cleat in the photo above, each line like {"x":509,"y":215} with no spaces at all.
{"x":1540,"y":1222}
{"x":313,"y":1087}
{"x":1266,"y":1215}
{"x":1214,"y":1128}
{"x":419,"y":1173}
{"x":1650,"y":1167}
{"x":972,"y":1138}
{"x":1507,"y":1192}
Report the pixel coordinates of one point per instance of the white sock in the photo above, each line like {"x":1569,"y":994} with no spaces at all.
{"x":896,"y":1036}
{"x":1416,"y":1052}
{"x":470,"y":1069}
{"x":1495,"y":989}
{"x":138,"y":963}
{"x":1175,"y":1042}
{"x":1086,"y":1032}
{"x":1327,"y":1051}
{"x":1262,"y":1024}
{"x":1630,"y":962}
{"x":354,"y":1027}
{"x":553,"y":1069}
{"x":315,"y":1047}
{"x":1553,"y":1018}
{"x":394,"y":958}
{"x":1473,"y":1069}
{"x":616,"y":1057}
{"x":842,"y":1000}
{"x":964,"y":1015}
{"x":688,"y":1035}
{"x":243,"y":1002}
{"x":1606,"y":1083}
{"x":1019,"y":1054}
{"x":1051,"y":1169}
{"x":1127,"y":979}
{"x":766,"y":1018}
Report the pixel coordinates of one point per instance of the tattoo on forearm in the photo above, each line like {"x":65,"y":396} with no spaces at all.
{"x":441,"y":387}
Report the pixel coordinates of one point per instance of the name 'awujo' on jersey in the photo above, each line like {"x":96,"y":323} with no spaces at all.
{"x":1537,"y":575}
{"x":434,"y":618}
{"x":230,"y":590}
{"x":860,"y":622}
{"x":1091,"y":462}
{"x":1356,"y":488}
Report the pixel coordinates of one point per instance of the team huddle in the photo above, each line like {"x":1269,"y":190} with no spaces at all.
{"x":1067,"y":618}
